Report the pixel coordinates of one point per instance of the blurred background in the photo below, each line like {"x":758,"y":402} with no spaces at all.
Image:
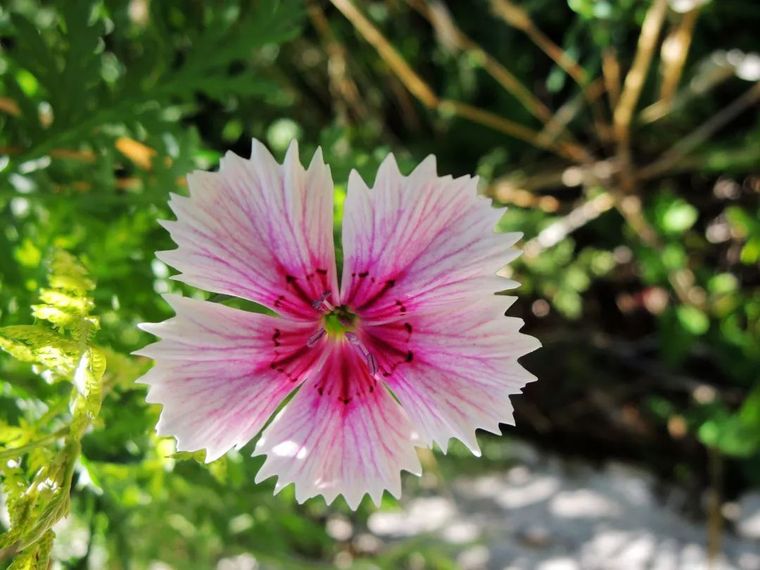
{"x":624,"y":137}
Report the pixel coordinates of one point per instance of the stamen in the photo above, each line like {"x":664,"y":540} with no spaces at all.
{"x":372,"y":365}
{"x":322,"y":304}
{"x":369,"y":358}
{"x":314,"y":339}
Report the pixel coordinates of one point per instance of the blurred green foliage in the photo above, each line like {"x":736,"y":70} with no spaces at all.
{"x":106,"y":105}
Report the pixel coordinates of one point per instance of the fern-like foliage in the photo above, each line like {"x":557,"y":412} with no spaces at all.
{"x":37,"y":466}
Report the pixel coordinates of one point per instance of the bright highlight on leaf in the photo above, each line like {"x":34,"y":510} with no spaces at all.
{"x":411,"y":349}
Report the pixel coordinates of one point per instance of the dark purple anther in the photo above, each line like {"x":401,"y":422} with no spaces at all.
{"x":322,"y":304}
{"x":313,"y":339}
{"x":369,"y":358}
{"x":372,"y":364}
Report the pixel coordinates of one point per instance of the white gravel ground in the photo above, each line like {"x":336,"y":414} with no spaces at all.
{"x":551,"y":514}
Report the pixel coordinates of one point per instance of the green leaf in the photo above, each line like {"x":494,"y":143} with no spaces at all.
{"x":39,"y":345}
{"x":750,"y":254}
{"x":35,"y":506}
{"x":735,"y":434}
{"x":723,"y":284}
{"x":679,"y":216}
{"x":693,"y":319}
{"x":37,"y":557}
{"x":68,"y":274}
{"x":731,"y":436}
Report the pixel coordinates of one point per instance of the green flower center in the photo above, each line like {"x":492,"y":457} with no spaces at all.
{"x":339,"y":321}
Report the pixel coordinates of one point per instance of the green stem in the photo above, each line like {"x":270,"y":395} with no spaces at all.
{"x":22,"y":449}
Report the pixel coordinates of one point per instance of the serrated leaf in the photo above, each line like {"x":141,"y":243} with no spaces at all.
{"x":36,"y":344}
{"x":12,"y":436}
{"x":63,"y":300}
{"x":67,"y":273}
{"x":38,"y":556}
{"x":268,"y":22}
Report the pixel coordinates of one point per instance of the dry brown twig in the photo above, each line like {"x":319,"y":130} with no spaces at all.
{"x":342,"y":85}
{"x":618,"y":178}
{"x":673,"y":54}
{"x":447,"y":29}
{"x":555,"y":125}
{"x":589,"y":210}
{"x":627,"y":200}
{"x":559,"y":122}
{"x":714,"y":504}
{"x":518,"y":18}
{"x":701,"y":134}
{"x":611,"y":75}
{"x":711,"y":74}
{"x":425,"y":94}
{"x":388,"y":53}
{"x":634,"y":79}
{"x":515,"y":16}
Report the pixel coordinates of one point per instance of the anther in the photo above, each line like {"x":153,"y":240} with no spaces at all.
{"x":314,"y":339}
{"x":372,"y":364}
{"x":322,"y":304}
{"x":369,"y":358}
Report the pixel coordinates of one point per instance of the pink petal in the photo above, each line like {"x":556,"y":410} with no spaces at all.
{"x":417,"y":241}
{"x":420,"y":264}
{"x":258,"y":230}
{"x":342,"y":433}
{"x":220,"y":373}
{"x":453,"y":369}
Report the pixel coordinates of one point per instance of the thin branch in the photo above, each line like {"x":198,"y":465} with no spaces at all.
{"x":627,"y":202}
{"x":599,"y":173}
{"x":577,"y":218}
{"x":567,"y":112}
{"x":520,"y":19}
{"x":674,"y":50}
{"x":23,"y":449}
{"x":714,"y":505}
{"x":629,"y":205}
{"x":342,"y":85}
{"x":408,"y":111}
{"x":446,"y":27}
{"x":710,"y":74}
{"x":702,"y":133}
{"x":611,"y":75}
{"x":425,"y":94}
{"x":552,"y":178}
{"x":634,"y":80}
{"x":512,"y":194}
{"x":507,"y":127}
{"x":395,"y":61}
{"x":682,"y":280}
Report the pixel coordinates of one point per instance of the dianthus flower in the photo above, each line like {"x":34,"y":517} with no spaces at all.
{"x":411,"y":349}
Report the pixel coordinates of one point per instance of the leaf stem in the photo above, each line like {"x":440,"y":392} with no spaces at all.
{"x":22,"y":449}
